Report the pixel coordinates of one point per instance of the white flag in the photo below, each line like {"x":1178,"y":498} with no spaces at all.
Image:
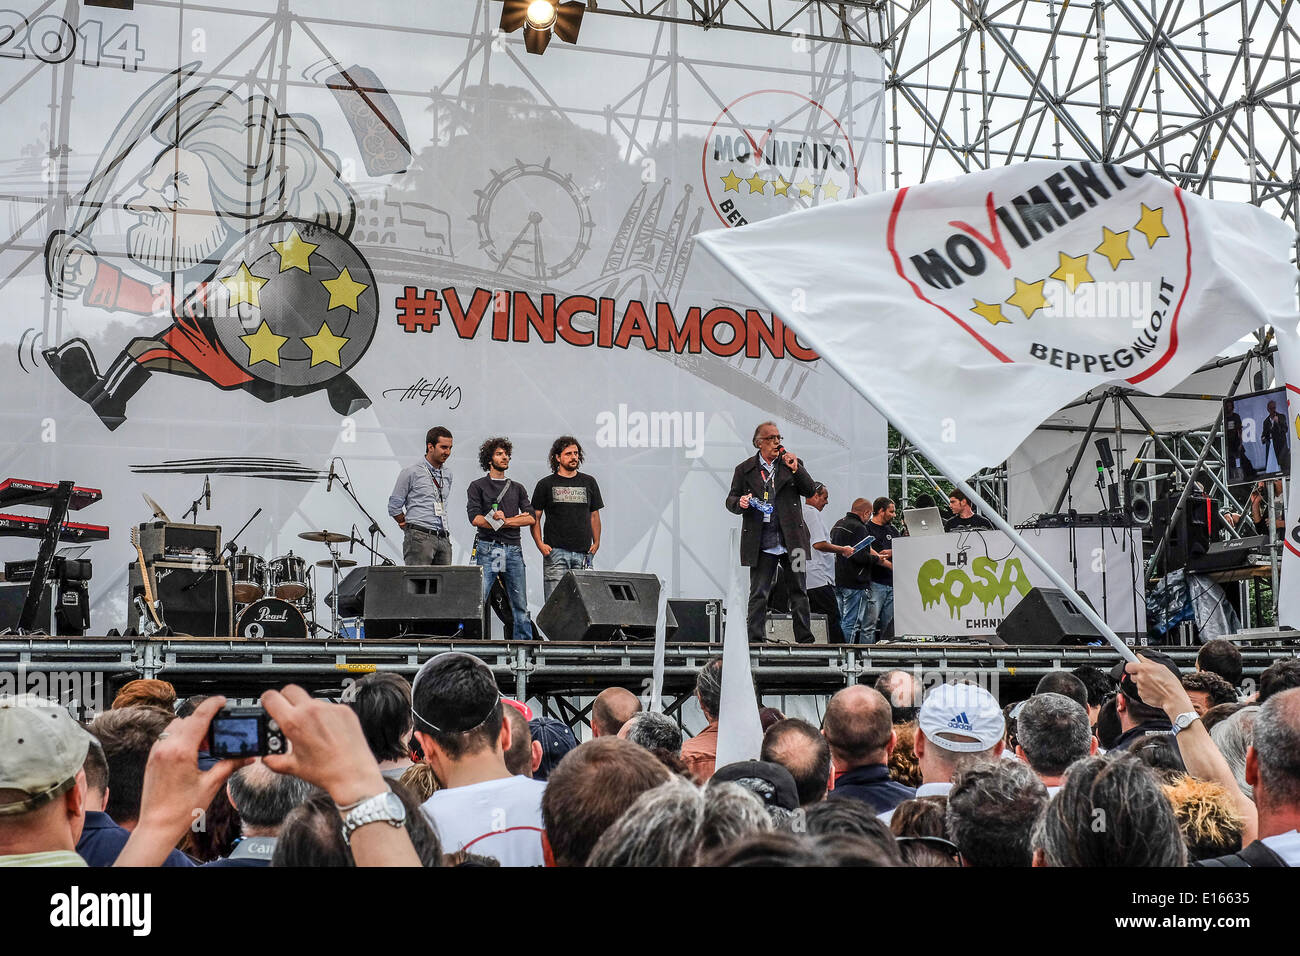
{"x":969,"y":310}
{"x":1288,"y":353}
{"x":740,"y":732}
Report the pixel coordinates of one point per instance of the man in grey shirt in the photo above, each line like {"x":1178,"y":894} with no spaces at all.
{"x":419,"y":502}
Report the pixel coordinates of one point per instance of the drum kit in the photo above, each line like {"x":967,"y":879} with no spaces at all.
{"x":277,"y":598}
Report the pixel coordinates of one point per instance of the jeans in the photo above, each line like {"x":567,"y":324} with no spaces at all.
{"x":505,"y":561}
{"x":880,"y":614}
{"x":420,"y":547}
{"x":556,"y":564}
{"x":854,"y":603}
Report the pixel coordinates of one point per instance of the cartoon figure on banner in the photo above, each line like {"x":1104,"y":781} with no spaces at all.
{"x":242,"y":221}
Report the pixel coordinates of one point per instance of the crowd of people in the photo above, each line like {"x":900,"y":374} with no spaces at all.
{"x":1137,"y":766}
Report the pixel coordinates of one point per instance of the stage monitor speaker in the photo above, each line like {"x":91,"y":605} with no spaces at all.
{"x":598,"y":605}
{"x":352,"y":594}
{"x":195,"y":601}
{"x":698,"y":621}
{"x":1139,"y":502}
{"x":424,"y":599}
{"x":12,"y":597}
{"x":1044,"y":617}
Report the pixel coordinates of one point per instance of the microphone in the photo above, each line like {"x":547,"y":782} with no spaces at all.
{"x":329,"y":483}
{"x":207,"y":493}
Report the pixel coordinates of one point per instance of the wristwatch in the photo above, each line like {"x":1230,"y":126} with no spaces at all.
{"x":386,"y":806}
{"x":1184,"y":720}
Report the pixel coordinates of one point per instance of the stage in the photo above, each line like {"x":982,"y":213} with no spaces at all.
{"x":561,"y":675}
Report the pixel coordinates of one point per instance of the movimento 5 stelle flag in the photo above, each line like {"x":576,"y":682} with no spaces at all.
{"x":969,"y":310}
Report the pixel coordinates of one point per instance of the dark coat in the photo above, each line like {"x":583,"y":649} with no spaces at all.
{"x":854,"y":572}
{"x":791,"y":488}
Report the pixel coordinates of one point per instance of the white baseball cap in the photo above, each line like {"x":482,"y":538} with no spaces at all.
{"x":41,"y":750}
{"x":963,"y":718}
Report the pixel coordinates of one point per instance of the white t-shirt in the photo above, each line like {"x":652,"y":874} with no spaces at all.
{"x":821,"y":564}
{"x":500,"y":818}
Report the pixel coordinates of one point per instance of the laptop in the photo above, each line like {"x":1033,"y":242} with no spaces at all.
{"x":921,"y":521}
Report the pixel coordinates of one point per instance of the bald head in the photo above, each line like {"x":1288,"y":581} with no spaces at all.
{"x":858,"y":727}
{"x":611,"y":711}
{"x":861,"y":507}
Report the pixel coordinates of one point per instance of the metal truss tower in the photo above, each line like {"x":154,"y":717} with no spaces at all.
{"x":1201,"y":91}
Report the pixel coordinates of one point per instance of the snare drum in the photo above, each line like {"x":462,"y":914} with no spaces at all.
{"x":287,"y":577}
{"x":271,"y":618}
{"x":249,"y":574}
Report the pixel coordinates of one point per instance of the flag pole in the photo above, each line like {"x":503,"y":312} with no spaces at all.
{"x":998,"y":521}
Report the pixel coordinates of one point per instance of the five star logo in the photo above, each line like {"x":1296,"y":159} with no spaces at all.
{"x":264,"y":345}
{"x":243,"y":287}
{"x":732,"y":182}
{"x":1152,"y":224}
{"x":344,"y":290}
{"x":1073,"y":271}
{"x":757,"y":184}
{"x":780,"y":187}
{"x":806,"y":187}
{"x":325,"y":346}
{"x":295,"y":252}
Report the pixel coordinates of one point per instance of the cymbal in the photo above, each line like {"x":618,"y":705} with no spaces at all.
{"x":157,"y":509}
{"x":324,"y":537}
{"x":343,"y":563}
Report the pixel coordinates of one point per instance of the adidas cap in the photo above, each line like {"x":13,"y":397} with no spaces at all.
{"x":963,"y":718}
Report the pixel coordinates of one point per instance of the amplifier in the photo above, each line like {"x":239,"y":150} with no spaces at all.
{"x":779,"y":629}
{"x":170,"y":541}
{"x":195,"y":600}
{"x":61,"y":569}
{"x":64,"y":610}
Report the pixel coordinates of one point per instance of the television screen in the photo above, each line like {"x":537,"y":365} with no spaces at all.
{"x":1257,"y":433}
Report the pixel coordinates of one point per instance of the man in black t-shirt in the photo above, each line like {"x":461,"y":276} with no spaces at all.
{"x":878,"y":617}
{"x":964,"y":517}
{"x":571,"y":502}
{"x":498,"y":508}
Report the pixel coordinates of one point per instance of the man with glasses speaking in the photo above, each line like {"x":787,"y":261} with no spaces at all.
{"x":766,"y":491}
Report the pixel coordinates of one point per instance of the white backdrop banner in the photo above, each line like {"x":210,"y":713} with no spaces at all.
{"x":966,"y":583}
{"x":240,"y":242}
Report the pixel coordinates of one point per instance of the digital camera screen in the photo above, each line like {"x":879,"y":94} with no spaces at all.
{"x":235,"y":736}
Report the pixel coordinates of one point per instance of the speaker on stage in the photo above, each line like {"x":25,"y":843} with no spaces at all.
{"x":698,"y":621}
{"x":424,"y":599}
{"x":1045,"y":617}
{"x":352,"y":594}
{"x":195,"y":601}
{"x":602,"y":606}
{"x":1191,"y":532}
{"x":1139,"y":502}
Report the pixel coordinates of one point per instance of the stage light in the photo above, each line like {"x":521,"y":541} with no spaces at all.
{"x":542,"y":19}
{"x":541,"y":15}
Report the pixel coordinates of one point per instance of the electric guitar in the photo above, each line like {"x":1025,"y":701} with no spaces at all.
{"x":146,"y":604}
